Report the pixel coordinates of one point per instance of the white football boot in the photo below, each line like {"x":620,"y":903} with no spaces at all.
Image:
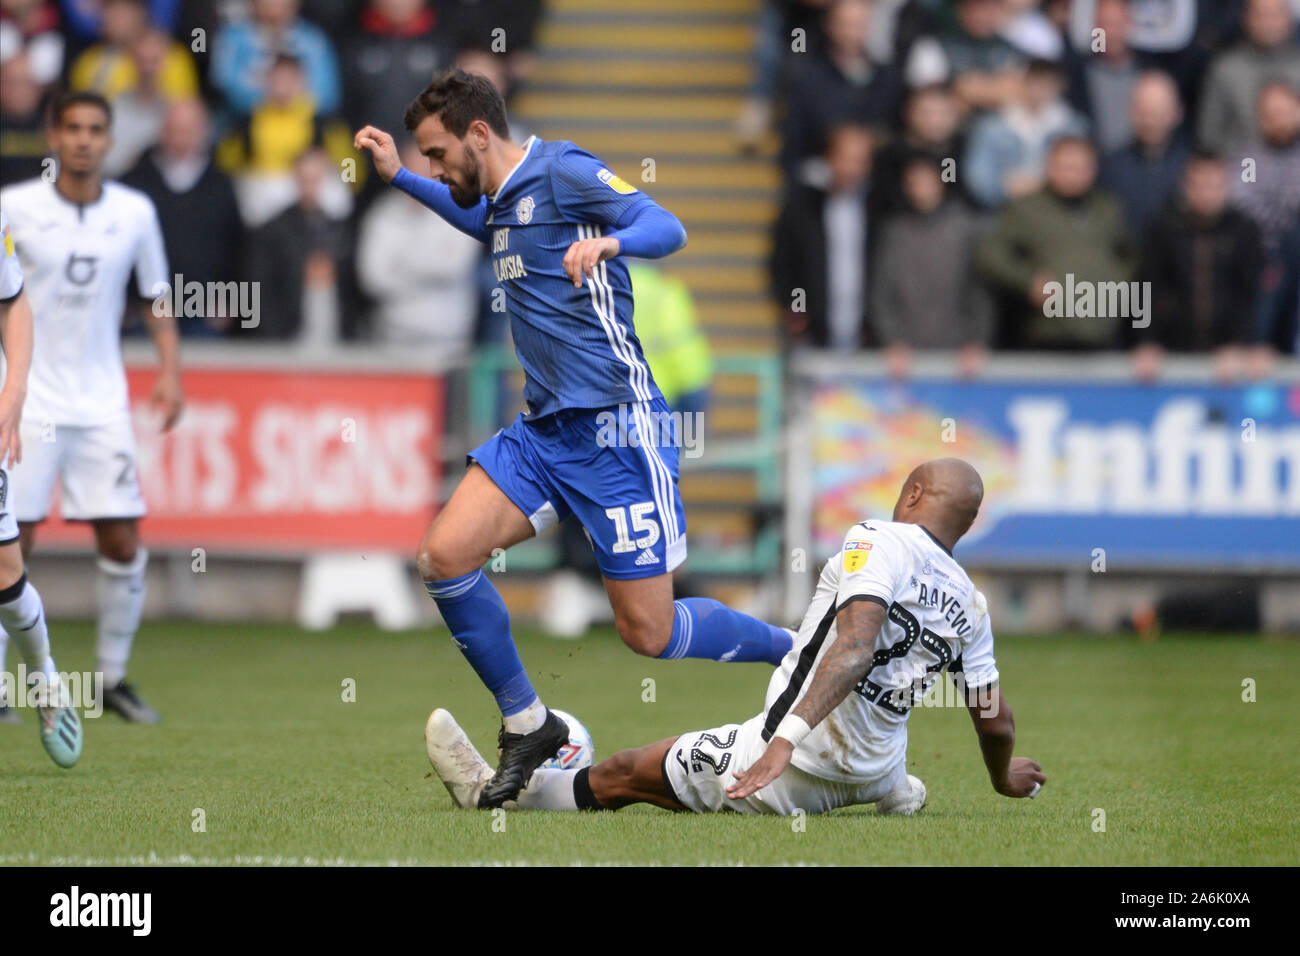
{"x":457,"y":763}
{"x":905,"y":799}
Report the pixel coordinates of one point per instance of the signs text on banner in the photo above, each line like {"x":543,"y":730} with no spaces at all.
{"x":284,"y":461}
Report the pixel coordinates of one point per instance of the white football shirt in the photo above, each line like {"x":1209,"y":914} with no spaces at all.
{"x":11,"y":275}
{"x":11,"y":272}
{"x":77,"y":260}
{"x":936,"y":621}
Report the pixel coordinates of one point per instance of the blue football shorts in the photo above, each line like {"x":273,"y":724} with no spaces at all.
{"x":615,"y":468}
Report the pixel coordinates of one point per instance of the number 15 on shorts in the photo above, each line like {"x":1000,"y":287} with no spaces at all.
{"x":640,"y":523}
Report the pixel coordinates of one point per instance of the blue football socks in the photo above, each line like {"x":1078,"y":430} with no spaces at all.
{"x":708,"y":629}
{"x":480,"y":625}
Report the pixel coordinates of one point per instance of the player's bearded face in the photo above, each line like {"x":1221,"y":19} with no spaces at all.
{"x":465,"y":184}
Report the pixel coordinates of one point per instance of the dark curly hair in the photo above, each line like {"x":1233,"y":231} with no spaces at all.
{"x":458,"y":99}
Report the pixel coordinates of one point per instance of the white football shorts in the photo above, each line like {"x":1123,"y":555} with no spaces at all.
{"x":8,"y":523}
{"x":701,"y":765}
{"x":94,"y":464}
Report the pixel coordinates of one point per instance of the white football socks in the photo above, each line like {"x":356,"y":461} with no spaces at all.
{"x":120,"y":592}
{"x":24,"y":618}
{"x":527,"y":720}
{"x":549,"y":790}
{"x":4,"y":644}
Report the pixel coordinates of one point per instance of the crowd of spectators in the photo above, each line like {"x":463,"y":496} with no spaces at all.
{"x":236,"y":117}
{"x":947,"y":162}
{"x":943,"y":162}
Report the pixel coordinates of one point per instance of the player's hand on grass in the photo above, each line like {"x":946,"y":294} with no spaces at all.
{"x":585,"y":254}
{"x":765,"y":769}
{"x":168,"y":399}
{"x":11,"y":414}
{"x":1024,"y":778}
{"x":382,"y":149}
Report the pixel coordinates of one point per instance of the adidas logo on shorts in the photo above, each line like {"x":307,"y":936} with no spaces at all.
{"x":646,"y":557}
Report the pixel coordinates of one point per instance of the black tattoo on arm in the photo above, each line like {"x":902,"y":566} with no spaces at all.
{"x":849,"y":657}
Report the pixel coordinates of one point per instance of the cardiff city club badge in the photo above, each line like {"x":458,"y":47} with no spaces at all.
{"x":524,"y":211}
{"x":856,"y":554}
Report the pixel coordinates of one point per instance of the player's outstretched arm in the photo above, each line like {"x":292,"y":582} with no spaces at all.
{"x":16,"y":340}
{"x":996,"y":727}
{"x":856,"y":625}
{"x":649,"y":231}
{"x":427,"y":192}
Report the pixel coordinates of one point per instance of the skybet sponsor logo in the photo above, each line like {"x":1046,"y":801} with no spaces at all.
{"x":209,"y":300}
{"x":77,"y":909}
{"x":83,"y":690}
{"x":636,"y":426}
{"x":1084,"y":299}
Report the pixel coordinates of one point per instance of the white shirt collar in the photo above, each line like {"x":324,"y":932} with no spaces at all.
{"x":528,"y":148}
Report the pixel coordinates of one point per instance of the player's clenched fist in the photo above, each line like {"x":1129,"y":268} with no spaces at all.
{"x":585,"y":254}
{"x":382,"y":149}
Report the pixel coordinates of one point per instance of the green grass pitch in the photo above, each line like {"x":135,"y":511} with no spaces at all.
{"x":257,"y":736}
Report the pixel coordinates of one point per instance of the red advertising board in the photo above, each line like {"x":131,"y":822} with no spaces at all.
{"x":285,"y":461}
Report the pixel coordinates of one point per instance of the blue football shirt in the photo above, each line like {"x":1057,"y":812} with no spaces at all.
{"x":578,"y":346}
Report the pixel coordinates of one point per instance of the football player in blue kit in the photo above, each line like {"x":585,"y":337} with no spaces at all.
{"x":558,"y":221}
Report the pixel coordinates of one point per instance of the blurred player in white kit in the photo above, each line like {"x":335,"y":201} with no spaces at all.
{"x":80,"y":241}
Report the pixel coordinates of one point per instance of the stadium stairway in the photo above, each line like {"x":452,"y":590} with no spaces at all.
{"x":654,"y":88}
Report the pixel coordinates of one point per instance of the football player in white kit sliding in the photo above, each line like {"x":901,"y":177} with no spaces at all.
{"x":20,"y":604}
{"x":892,"y":610}
{"x":81,"y":240}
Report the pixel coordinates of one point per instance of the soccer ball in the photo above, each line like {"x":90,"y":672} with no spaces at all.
{"x":578,"y":752}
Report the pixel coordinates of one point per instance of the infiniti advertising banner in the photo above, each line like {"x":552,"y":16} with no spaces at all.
{"x":1159,"y":476}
